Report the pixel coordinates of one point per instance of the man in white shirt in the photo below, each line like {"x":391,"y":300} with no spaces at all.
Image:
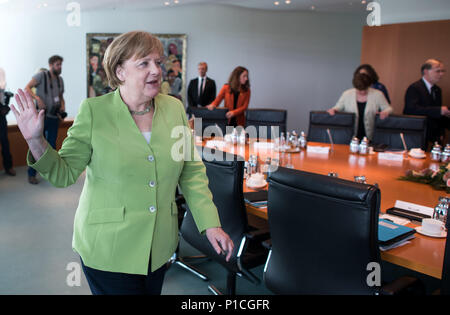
{"x":424,"y":97}
{"x":201,"y":90}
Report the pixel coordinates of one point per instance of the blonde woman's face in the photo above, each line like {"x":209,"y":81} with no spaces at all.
{"x":243,"y":78}
{"x":142,"y":76}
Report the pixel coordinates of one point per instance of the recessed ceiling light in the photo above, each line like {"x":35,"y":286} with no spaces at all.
{"x":288,"y":1}
{"x":45,"y":4}
{"x":176,"y":1}
{"x":363,"y":1}
{"x":276,"y":3}
{"x":313,"y":7}
{"x":167,"y":3}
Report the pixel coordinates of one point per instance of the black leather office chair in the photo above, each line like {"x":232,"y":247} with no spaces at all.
{"x":266,"y":118}
{"x":445,"y":282}
{"x":324,"y":233}
{"x":341,"y":127}
{"x":225,"y":182}
{"x":414,"y":128}
{"x":210,"y":117}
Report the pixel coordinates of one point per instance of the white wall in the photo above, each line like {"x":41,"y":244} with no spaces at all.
{"x":403,"y":11}
{"x":299,"y":61}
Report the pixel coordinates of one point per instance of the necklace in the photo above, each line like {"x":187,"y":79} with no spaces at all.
{"x":145,"y":111}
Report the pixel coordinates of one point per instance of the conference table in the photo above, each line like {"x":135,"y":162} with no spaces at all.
{"x":423,"y":254}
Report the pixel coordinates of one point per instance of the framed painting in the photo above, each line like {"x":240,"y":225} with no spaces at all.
{"x":173,"y":73}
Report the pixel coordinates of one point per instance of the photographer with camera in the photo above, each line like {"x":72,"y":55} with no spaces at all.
{"x":49,"y":97}
{"x":4,"y":109}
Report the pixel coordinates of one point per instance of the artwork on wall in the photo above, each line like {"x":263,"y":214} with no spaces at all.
{"x":174,"y":63}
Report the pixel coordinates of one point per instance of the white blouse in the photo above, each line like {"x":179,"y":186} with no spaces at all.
{"x":147,"y":135}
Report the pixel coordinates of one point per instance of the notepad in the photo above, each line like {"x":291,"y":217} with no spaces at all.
{"x":390,"y":233}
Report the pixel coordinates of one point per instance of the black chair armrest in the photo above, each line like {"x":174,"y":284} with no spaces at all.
{"x":403,"y":286}
{"x":267,"y":244}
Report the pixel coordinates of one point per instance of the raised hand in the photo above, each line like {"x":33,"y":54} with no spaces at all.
{"x":29,"y":120}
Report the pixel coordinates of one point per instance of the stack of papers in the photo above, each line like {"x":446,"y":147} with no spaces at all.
{"x":256,"y":198}
{"x":410,"y":211}
{"x":391,"y":235}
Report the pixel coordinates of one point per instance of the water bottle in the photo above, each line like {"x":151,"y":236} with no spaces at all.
{"x":445,"y":156}
{"x":302,"y":140}
{"x":242,"y":137}
{"x":282,"y":141}
{"x":436,"y":152}
{"x":364,"y":146}
{"x":354,"y":145}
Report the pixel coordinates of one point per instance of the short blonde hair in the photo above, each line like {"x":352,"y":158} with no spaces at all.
{"x":138,"y":44}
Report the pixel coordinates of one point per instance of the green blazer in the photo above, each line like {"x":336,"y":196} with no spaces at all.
{"x":127,"y":209}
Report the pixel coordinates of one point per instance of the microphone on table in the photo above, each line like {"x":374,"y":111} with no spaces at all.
{"x":403,"y":141}
{"x":331,"y":139}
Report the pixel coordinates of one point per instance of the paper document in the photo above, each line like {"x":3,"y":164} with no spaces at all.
{"x":317,"y":149}
{"x":414,"y":207}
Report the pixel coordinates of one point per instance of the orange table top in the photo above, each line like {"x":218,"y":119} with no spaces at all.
{"x":424,"y":254}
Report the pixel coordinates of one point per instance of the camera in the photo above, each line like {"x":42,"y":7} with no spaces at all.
{"x":56,"y":111}
{"x":7,"y":96}
{"x":4,"y":108}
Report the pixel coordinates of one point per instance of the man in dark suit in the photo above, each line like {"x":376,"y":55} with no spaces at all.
{"x":202,"y":90}
{"x":424,"y":97}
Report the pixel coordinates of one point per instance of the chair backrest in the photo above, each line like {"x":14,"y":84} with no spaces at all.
{"x":445,"y":283}
{"x":414,"y":128}
{"x":210,"y":117}
{"x":341,"y":127}
{"x":225,"y":175}
{"x":324,"y":234}
{"x":266,"y":118}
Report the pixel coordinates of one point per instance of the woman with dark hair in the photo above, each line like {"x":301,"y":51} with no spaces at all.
{"x":365,"y":102}
{"x":237,"y":96}
{"x":370,"y":71}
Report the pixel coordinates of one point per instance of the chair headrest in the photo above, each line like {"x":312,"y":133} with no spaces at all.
{"x":267,"y":115}
{"x":321,"y":184}
{"x":219,"y":157}
{"x":339,"y":119}
{"x":203,"y":112}
{"x":406,"y":122}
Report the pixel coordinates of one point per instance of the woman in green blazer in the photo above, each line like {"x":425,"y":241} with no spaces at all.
{"x":128,"y":141}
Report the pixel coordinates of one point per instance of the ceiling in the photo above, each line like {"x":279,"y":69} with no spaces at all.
{"x":283,"y":5}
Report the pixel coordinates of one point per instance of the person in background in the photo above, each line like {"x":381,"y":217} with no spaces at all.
{"x":4,"y":143}
{"x":370,"y":71}
{"x":49,"y":97}
{"x":365,"y":102}
{"x":174,"y":83}
{"x":236,"y":94}
{"x":202,"y":90}
{"x":126,"y":223}
{"x":424,"y":97}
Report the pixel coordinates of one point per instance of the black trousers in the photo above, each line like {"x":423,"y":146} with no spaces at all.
{"x":115,"y":283}
{"x":6,"y":154}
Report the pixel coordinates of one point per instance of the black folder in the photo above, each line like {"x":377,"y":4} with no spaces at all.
{"x":256,"y":196}
{"x":411,"y":215}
